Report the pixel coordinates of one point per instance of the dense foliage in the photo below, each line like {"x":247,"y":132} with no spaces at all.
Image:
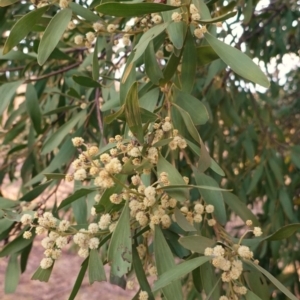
{"x":151,"y":111}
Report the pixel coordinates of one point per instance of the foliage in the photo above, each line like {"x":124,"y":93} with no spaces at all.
{"x":150,"y":111}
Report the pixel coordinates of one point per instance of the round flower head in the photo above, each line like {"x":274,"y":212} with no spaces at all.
{"x":150,"y":192}
{"x":98,"y":26}
{"x":64,"y":225}
{"x":61,"y":241}
{"x":93,"y":228}
{"x":209,"y":208}
{"x":193,"y":9}
{"x":249,"y":223}
{"x":257,"y":231}
{"x":211,"y":222}
{"x":126,"y":40}
{"x":71,"y":25}
{"x":63,"y":3}
{"x":26,"y":219}
{"x":83,"y":252}
{"x":40,"y":230}
{"x":199,"y":208}
{"x":223,"y":298}
{"x":195,"y":17}
{"x":245,"y":252}
{"x":46,"y":263}
{"x":176,"y":17}
{"x":94,"y":243}
{"x":129,"y":285}
{"x":78,"y":40}
{"x":169,"y":47}
{"x":111,"y":28}
{"x":69,"y":177}
{"x":143,"y":295}
{"x":93,"y":150}
{"x":156,"y":19}
{"x":80,"y":174}
{"x":198,"y":218}
{"x":198,"y":33}
{"x":27,"y":235}
{"x":167,"y":126}
{"x":218,"y":251}
{"x":176,"y":2}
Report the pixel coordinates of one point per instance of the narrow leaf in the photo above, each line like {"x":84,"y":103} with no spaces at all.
{"x":179,"y":271}
{"x":211,"y":197}
{"x":196,"y":243}
{"x":174,"y":177}
{"x":22,"y":27}
{"x":284,"y":232}
{"x":188,"y":66}
{"x":132,"y":9}
{"x":182,"y":221}
{"x":278,"y":284}
{"x":96,"y":269}
{"x":133,"y":113}
{"x":4,"y":3}
{"x":148,"y":36}
{"x":34,"y":193}
{"x":53,"y":33}
{"x":12,"y":274}
{"x":239,"y":62}
{"x":33,"y":107}
{"x":152,"y":68}
{"x":194,"y":107}
{"x":120,"y":247}
{"x":79,"y":279}
{"x":140,"y":274}
{"x":42,"y":275}
{"x":86,"y":81}
{"x":165,"y":262}
{"x":218,"y":19}
{"x":7,"y":90}
{"x":78,"y":194}
{"x":56,"y":138}
{"x":251,"y":296}
{"x":205,"y":55}
{"x":240,"y":208}
{"x":84,"y":12}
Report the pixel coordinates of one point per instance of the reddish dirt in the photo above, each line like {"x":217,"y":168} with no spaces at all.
{"x":64,"y":272}
{"x":61,"y":282}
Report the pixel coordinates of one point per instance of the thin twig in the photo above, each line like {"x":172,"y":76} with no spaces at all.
{"x":98,"y":112}
{"x":60,"y":71}
{"x":12,"y":69}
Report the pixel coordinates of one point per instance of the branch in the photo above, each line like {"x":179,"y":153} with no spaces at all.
{"x":65,"y":69}
{"x":12,"y":69}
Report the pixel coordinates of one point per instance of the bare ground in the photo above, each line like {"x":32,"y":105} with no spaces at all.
{"x":61,"y":281}
{"x":64,"y":272}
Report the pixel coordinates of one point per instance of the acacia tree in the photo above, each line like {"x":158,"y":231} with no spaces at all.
{"x":155,"y":120}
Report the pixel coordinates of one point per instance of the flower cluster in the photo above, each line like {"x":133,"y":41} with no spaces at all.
{"x":230,"y":261}
{"x":197,"y":214}
{"x":54,"y":241}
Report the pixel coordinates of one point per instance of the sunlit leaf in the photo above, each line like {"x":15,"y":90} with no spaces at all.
{"x":239,"y":62}
{"x":120,"y":247}
{"x":164,"y":263}
{"x":96,"y":269}
{"x":178,"y":271}
{"x":22,"y":27}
